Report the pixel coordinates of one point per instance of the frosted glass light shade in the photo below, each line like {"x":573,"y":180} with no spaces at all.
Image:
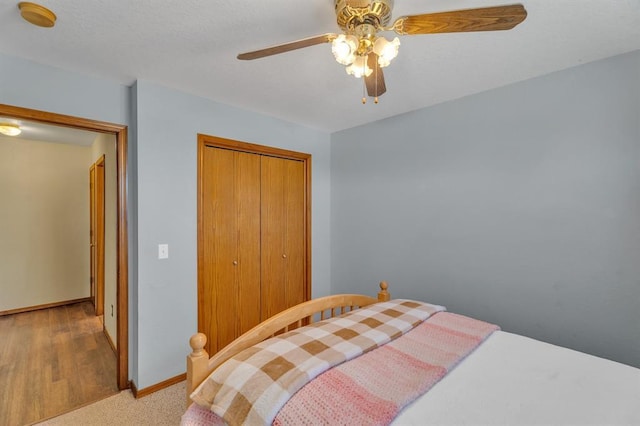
{"x":386,"y":50}
{"x":359,"y":67}
{"x":344,"y":48}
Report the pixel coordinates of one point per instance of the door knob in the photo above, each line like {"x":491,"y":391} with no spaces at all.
{"x":284,"y":256}
{"x":235,"y":262}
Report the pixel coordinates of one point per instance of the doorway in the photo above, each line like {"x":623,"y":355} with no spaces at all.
{"x":120,"y":133}
{"x":97,"y":234}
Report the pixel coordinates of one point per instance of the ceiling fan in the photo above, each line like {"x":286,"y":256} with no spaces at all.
{"x":364,"y":52}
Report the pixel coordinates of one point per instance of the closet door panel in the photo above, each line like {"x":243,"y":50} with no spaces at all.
{"x":231,"y":259}
{"x":295,"y":236}
{"x":253,"y":235}
{"x":282,"y":234}
{"x":248,"y":236}
{"x":218,"y":241}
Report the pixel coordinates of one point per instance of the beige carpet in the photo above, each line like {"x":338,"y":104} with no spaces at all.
{"x":164,"y":407}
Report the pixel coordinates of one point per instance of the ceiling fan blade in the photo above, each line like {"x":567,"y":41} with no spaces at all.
{"x":494,"y":18}
{"x":375,"y":81}
{"x":286,"y":47}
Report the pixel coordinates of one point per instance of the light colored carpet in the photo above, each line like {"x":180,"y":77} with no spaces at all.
{"x":164,"y":407}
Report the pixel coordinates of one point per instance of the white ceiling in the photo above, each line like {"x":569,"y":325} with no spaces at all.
{"x":191,"y":45}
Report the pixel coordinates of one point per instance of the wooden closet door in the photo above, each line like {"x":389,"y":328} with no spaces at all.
{"x":283,"y":238}
{"x":229,"y":293}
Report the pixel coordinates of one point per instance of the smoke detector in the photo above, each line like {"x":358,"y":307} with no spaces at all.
{"x":37,"y":15}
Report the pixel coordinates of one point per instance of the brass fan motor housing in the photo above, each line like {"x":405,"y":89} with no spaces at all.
{"x":352,"y":13}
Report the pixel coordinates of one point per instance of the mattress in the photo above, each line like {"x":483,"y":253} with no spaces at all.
{"x":515,"y":380}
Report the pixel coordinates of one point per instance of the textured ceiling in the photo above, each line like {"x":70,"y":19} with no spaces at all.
{"x":191,"y":45}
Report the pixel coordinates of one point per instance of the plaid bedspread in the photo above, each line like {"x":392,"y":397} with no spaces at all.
{"x":252,"y":387}
{"x":373,"y":388}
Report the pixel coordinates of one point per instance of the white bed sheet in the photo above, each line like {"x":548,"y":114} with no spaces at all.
{"x":515,"y":380}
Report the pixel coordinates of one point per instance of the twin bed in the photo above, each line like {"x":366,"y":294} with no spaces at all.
{"x":355,"y":359}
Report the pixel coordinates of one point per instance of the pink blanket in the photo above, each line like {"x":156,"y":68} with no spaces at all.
{"x":373,"y":388}
{"x":402,"y":370}
{"x":252,"y":386}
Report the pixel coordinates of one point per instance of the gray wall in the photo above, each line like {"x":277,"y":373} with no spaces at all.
{"x":28,"y":84}
{"x":519,"y":206}
{"x":162,"y":192}
{"x":496,"y":205}
{"x":167,"y":124}
{"x":31,"y":85}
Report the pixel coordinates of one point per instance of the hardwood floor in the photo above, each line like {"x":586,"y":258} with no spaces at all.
{"x":51,"y":361}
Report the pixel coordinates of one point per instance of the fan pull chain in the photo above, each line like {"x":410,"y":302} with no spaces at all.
{"x":364,"y":82}
{"x":375,"y":100}
{"x":364,"y":98}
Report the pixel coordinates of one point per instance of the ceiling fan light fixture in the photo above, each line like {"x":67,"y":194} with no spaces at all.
{"x":344,"y":49}
{"x":359,"y":67}
{"x":10,"y":129}
{"x":386,"y":50}
{"x":362,"y":20}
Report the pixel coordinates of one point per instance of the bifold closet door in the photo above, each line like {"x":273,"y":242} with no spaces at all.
{"x":229,"y":293}
{"x":283,"y":236}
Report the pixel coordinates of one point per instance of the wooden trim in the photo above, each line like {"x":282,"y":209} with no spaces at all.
{"x":134,"y":388}
{"x":120,"y":133}
{"x":60,"y":119}
{"x":123,"y":262}
{"x":92,"y":222}
{"x":97,"y":233}
{"x":44,"y":306}
{"x":141,"y":393}
{"x":199,"y":232}
{"x":106,"y":334}
{"x":251,"y":148}
{"x":99,"y":199}
{"x":307,"y":231}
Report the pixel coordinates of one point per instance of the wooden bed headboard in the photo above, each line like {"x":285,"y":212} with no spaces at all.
{"x":199,"y":365}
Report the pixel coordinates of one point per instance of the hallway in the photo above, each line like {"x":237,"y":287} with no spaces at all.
{"x":51,"y":361}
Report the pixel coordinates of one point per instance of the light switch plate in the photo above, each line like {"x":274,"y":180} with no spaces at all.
{"x":163,"y":251}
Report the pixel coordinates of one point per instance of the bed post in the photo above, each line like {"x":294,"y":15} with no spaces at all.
{"x":383,"y":294}
{"x":197,"y":362}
